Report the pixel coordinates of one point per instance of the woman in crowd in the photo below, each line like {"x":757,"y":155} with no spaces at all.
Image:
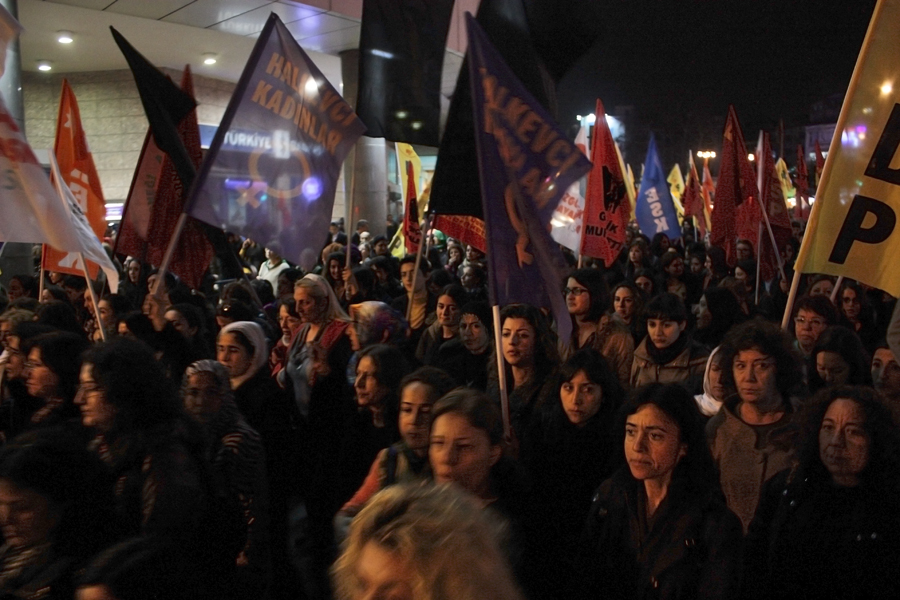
{"x":18,"y":405}
{"x":717,"y":312}
{"x":838,"y":358}
{"x":454,"y":259}
{"x":716,"y":266}
{"x":424,"y":542}
{"x":416,"y":304}
{"x":645,"y":279}
{"x":289,"y":323}
{"x":829,"y":527}
{"x":111,"y":307}
{"x":466,"y":359}
{"x":821,"y":285}
{"x":714,"y":393}
{"x":659,"y":245}
{"x":188,"y":320}
{"x":754,"y":435}
{"x":530,"y":359}
{"x":659,"y":528}
{"x":628,"y":306}
{"x":406,"y":460}
{"x":668,"y":354}
{"x":155,"y":455}
{"x":587,"y":299}
{"x":22,"y":286}
{"x":568,"y":453}
{"x":812,"y":314}
{"x":235,"y":452}
{"x":51,"y":375}
{"x":333,"y":272}
{"x":59,"y":315}
{"x":638,"y":258}
{"x":56,"y":512}
{"x":675,"y":280}
{"x":446,"y":324}
{"x":857,"y":314}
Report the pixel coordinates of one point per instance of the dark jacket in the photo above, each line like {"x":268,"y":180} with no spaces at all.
{"x":691,"y":549}
{"x":811,"y":539}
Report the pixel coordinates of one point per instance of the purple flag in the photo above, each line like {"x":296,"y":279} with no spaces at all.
{"x":273,"y":165}
{"x":526,"y":163}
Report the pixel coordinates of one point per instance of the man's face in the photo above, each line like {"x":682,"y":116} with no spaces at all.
{"x":743,"y":252}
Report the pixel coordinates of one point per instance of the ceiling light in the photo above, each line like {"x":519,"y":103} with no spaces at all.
{"x":401,"y":114}
{"x":44,"y":65}
{"x":416,"y":125}
{"x":209,"y":58}
{"x":64,"y":37}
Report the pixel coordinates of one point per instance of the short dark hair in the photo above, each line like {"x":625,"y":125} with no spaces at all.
{"x":595,"y":282}
{"x":820,"y":305}
{"x":437,"y":380}
{"x":598,"y":371}
{"x":849,"y":347}
{"x":476,"y":407}
{"x":61,"y":352}
{"x":666,"y":306}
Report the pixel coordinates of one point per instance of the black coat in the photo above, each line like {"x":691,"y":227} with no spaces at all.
{"x":691,"y":549}
{"x":811,"y":539}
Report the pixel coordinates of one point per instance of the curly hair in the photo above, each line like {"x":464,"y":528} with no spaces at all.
{"x":766,"y":338}
{"x":882,"y":471}
{"x":546,"y":354}
{"x":451,"y":546}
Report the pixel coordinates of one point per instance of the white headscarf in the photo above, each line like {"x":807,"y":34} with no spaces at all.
{"x":708,"y":404}
{"x":253,"y":332}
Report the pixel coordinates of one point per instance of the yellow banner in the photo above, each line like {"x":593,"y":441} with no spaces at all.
{"x":405,"y":153}
{"x":852,"y":230}
{"x":784,"y":178}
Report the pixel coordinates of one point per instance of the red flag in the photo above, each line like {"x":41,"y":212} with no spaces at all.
{"x":133,"y":228}
{"x":606,"y":206}
{"x":772,"y":198}
{"x":801,"y":211}
{"x":412,"y":231}
{"x":194,"y":252}
{"x":693,"y":200}
{"x":736,"y":186}
{"x":820,"y":162}
{"x":468,"y":230}
{"x":76,"y":164}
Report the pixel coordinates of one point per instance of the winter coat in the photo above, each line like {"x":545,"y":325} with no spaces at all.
{"x":812,"y":539}
{"x":614,"y":341}
{"x":687,"y":368}
{"x":744,"y":463}
{"x":691,"y":549}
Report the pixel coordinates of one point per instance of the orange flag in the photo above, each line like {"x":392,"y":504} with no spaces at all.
{"x":76,"y":165}
{"x":694,"y":206}
{"x":606,"y":206}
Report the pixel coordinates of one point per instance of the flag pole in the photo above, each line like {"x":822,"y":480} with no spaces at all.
{"x":501,"y":374}
{"x":837,"y":288}
{"x":425,"y":224}
{"x":170,"y":251}
{"x":758,"y":260}
{"x":774,"y":244}
{"x":829,"y":161}
{"x":41,"y":273}
{"x":94,"y":302}
{"x":350,"y":201}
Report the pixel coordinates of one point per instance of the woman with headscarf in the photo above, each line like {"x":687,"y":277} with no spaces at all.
{"x":710,"y":401}
{"x":235,"y":452}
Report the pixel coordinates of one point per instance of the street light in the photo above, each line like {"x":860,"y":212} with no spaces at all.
{"x":706,"y":154}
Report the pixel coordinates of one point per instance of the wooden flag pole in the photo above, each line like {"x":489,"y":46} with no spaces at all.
{"x":167,"y":257}
{"x":41,"y":282}
{"x":412,"y":294}
{"x":94,"y":302}
{"x":837,"y":288}
{"x":758,"y":261}
{"x":501,"y":374}
{"x":350,"y":202}
{"x":774,"y":244}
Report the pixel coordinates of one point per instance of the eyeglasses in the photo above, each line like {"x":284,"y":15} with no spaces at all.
{"x":33,"y":365}
{"x":89,"y":388}
{"x":574,"y":291}
{"x":814,"y":322}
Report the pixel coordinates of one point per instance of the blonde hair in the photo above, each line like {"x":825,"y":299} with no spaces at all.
{"x":449,"y":543}
{"x":320,"y":289}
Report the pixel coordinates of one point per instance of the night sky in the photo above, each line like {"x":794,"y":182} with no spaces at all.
{"x":679,"y":65}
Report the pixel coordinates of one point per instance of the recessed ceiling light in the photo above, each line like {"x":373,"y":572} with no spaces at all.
{"x":44,"y":65}
{"x":209,"y":58}
{"x":64,"y":37}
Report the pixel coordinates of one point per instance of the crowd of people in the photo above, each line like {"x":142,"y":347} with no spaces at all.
{"x":355,"y":432}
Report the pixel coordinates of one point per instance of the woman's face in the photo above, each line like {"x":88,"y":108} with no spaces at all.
{"x":663,"y":333}
{"x":696,"y":265}
{"x":822,"y":288}
{"x":707,"y":264}
{"x":623,"y":302}
{"x":578,"y":298}
{"x":581,"y":398}
{"x":27,"y":517}
{"x":447,"y":311}
{"x":307,"y":306}
{"x":107,"y":314}
{"x":843,"y":442}
{"x":415,"y":416}
{"x":676,"y":268}
{"x":134,"y":271}
{"x":716,"y":387}
{"x":473,"y":333}
{"x":469,"y":280}
{"x":473,"y":254}
{"x":15,"y":365}
{"x":635,"y":254}
{"x":454,"y":255}
{"x":41,"y":381}
{"x":462,"y":454}
{"x":383,"y":574}
{"x":334,"y":269}
{"x":653,"y":444}
{"x":518,"y":339}
{"x":664,"y":243}
{"x":288,"y":322}
{"x":200,"y":397}
{"x":96,"y":412}
{"x":704,"y":317}
{"x":850,"y":304}
{"x":645,"y":283}
{"x":285,"y":287}
{"x":740,"y":275}
{"x":832,"y":368}
{"x":369,"y":392}
{"x":755,"y":376}
{"x":15,"y":290}
{"x":233,"y":355}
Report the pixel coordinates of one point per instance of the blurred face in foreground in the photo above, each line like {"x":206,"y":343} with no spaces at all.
{"x":461,"y":453}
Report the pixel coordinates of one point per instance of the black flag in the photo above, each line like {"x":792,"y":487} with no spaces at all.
{"x":401,"y":55}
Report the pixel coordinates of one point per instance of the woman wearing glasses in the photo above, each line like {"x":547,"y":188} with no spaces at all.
{"x":51,"y":375}
{"x":588,"y":301}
